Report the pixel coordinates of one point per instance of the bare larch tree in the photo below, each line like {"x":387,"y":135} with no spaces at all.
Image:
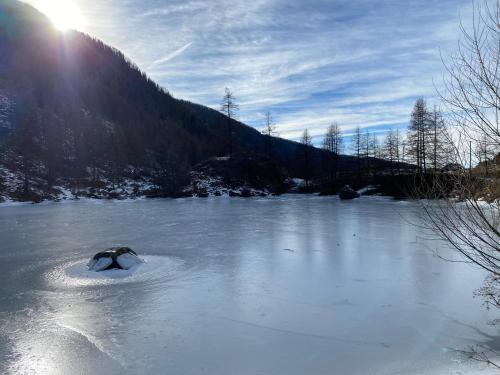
{"x":470,"y":225}
{"x":333,"y":144}
{"x":390,"y":149}
{"x":419,"y":135}
{"x":307,"y":144}
{"x":356,"y":147}
{"x":269,"y":132}
{"x":229,"y":108}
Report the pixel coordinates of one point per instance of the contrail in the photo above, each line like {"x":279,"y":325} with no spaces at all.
{"x":170,"y":56}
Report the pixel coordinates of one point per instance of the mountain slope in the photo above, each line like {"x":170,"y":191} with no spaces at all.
{"x":73,"y":108}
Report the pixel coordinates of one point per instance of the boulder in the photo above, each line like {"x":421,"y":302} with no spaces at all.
{"x":348,"y":192}
{"x":233,"y":193}
{"x":246,"y":193}
{"x":114,"y":258}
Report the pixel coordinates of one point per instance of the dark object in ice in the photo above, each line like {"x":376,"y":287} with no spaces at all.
{"x":348,"y":192}
{"x":114,"y":258}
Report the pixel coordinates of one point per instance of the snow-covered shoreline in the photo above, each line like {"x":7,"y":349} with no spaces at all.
{"x":127,"y":188}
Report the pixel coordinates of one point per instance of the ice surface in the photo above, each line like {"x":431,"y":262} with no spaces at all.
{"x":288,"y":286}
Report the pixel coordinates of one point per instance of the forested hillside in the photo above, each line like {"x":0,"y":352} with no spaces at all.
{"x":76,"y":111}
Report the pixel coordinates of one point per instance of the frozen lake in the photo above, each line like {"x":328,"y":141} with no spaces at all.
{"x":289,"y":285}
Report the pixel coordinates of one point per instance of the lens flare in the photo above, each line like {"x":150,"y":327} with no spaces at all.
{"x":64,"y":14}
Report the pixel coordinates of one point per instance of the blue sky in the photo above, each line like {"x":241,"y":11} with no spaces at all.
{"x":356,"y":62}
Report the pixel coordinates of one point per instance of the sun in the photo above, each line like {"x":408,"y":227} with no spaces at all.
{"x":64,"y":14}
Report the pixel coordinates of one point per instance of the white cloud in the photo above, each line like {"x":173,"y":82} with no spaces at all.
{"x":310,"y":63}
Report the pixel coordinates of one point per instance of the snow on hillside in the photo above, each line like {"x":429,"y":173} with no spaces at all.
{"x":12,"y":185}
{"x":9,"y":182}
{"x":212,"y":186}
{"x":201,"y":184}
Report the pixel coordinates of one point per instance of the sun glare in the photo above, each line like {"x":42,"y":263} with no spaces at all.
{"x":64,"y":14}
